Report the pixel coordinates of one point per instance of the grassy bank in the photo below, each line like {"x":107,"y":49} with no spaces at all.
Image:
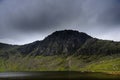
{"x":93,"y":63}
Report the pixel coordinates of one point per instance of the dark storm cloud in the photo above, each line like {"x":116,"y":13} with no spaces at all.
{"x":21,"y":19}
{"x":49,"y":14}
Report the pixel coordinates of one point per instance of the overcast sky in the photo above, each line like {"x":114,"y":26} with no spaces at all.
{"x":25,"y":21}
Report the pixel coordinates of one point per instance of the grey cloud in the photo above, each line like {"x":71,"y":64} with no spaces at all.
{"x":19,"y":18}
{"x":50,"y":14}
{"x":111,"y":15}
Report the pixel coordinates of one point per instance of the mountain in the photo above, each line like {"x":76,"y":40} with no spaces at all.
{"x":60,"y":42}
{"x":66,"y":50}
{"x":67,"y":42}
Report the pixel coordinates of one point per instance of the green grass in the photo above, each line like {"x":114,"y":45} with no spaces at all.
{"x":104,"y":65}
{"x":95,"y":63}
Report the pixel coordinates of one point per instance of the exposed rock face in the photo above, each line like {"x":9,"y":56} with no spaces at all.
{"x":63,"y":42}
{"x":59,"y":42}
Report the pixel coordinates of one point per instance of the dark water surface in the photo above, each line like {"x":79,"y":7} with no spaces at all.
{"x":57,"y":76}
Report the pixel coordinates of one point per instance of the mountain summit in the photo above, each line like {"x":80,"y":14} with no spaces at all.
{"x":68,"y":34}
{"x":59,"y":42}
{"x":63,"y":42}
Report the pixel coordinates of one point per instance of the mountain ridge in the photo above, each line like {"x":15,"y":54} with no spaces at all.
{"x":68,"y":42}
{"x":62,"y":42}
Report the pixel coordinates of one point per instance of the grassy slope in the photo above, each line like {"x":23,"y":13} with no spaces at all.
{"x":104,"y":65}
{"x":61,"y":63}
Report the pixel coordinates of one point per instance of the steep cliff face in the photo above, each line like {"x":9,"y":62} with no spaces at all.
{"x":59,"y":42}
{"x":63,"y":42}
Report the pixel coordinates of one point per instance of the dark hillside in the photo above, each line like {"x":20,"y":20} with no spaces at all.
{"x":67,"y":42}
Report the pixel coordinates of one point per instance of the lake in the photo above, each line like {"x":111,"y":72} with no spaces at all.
{"x":63,"y":75}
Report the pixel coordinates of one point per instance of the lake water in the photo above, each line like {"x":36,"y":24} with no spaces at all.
{"x":57,"y":76}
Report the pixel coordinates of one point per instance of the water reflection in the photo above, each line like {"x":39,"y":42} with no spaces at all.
{"x":57,"y":75}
